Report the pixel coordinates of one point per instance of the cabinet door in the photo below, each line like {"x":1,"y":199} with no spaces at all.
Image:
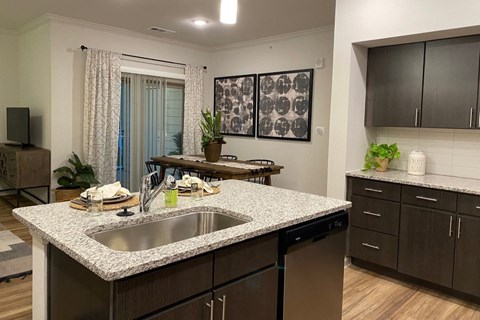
{"x":451,"y":83}
{"x":467,"y":256}
{"x":426,"y":244}
{"x":198,"y":309}
{"x":394,"y":85}
{"x":252,"y":298}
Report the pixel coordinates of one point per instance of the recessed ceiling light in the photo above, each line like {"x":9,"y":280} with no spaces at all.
{"x":228,"y":11}
{"x":200,"y":22}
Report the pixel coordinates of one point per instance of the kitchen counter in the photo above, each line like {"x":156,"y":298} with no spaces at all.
{"x":268,"y":208}
{"x":456,"y":184}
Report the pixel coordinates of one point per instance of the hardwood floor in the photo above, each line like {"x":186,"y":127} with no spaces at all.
{"x":367,"y":295}
{"x":16,"y":295}
{"x":371,"y":296}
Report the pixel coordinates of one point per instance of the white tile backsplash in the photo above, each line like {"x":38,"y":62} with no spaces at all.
{"x":449,"y":151}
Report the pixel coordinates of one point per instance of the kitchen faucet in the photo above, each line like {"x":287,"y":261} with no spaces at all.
{"x":147,"y":194}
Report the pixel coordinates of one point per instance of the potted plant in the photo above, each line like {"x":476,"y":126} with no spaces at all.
{"x":212,"y":140}
{"x":378,"y":156}
{"x":73,"y":180}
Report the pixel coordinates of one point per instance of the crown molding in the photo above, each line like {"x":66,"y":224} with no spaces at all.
{"x":280,"y":37}
{"x":102,"y":27}
{"x":8,"y":32}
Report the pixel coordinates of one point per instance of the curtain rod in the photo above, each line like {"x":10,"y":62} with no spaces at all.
{"x":146,"y":58}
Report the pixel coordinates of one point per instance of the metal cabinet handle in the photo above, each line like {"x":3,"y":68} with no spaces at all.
{"x":471,"y":118}
{"x":372,"y":214}
{"x":370,"y":246}
{"x":416,"y":117}
{"x":426,"y":199}
{"x":210,"y":305}
{"x":450,"y":230}
{"x":459,"y":228}
{"x":373,"y":190}
{"x":223,"y":300}
{"x":478,"y":207}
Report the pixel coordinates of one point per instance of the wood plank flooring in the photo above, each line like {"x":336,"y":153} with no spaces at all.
{"x":371,"y":296}
{"x":367,"y":295}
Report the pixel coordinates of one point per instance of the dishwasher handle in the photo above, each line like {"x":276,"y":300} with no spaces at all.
{"x":316,"y":230}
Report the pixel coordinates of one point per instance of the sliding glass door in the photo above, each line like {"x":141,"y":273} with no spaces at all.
{"x":151,"y":124}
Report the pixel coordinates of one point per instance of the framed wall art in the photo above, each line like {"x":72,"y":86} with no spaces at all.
{"x":235,"y":99}
{"x":285,"y":105}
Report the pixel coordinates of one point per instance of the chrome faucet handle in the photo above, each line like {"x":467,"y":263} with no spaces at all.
{"x":147,"y":195}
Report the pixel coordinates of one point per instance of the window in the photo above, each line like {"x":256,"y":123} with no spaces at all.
{"x":151,"y":123}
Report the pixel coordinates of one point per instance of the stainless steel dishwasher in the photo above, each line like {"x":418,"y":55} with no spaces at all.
{"x":311,"y":269}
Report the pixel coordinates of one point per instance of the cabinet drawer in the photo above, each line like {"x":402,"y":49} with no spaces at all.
{"x":374,"y":247}
{"x":142,"y":294}
{"x":248,"y":256}
{"x":469,"y":204}
{"x":376,"y":189}
{"x":374,"y":214}
{"x":193,"y":309}
{"x":430,"y":198}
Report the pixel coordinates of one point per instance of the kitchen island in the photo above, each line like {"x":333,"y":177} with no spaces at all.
{"x":58,"y":228}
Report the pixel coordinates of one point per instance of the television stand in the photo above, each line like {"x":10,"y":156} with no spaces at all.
{"x":23,"y":168}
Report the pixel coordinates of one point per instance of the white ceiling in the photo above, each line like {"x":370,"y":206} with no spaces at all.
{"x":256,"y":18}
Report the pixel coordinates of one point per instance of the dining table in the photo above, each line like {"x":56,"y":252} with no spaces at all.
{"x":223,"y":169}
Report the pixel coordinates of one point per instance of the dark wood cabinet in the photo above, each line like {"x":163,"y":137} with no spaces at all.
{"x":375,"y":247}
{"x":466,"y":277}
{"x":451,"y":83}
{"x":198,"y":309}
{"x":245,"y":273}
{"x":394,"y":85}
{"x":426,"y":244}
{"x":253,"y":298}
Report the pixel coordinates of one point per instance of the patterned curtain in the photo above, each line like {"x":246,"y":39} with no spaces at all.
{"x":101,"y":114}
{"x":192,"y":135}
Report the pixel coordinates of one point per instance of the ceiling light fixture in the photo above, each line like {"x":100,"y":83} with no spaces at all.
{"x":200,"y":22}
{"x":228,"y":11}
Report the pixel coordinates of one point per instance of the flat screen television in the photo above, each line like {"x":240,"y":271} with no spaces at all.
{"x":18,"y":125}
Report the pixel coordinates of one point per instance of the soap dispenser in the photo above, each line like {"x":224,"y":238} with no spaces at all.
{"x":171,"y":193}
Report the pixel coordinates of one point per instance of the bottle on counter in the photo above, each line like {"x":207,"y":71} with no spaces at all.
{"x":171,"y":194}
{"x":416,"y":163}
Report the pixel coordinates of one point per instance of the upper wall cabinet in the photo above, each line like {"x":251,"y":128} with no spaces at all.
{"x":394,"y":85}
{"x":451,"y":83}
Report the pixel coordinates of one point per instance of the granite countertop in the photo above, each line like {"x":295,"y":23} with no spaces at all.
{"x":434,"y":181}
{"x":268,"y":208}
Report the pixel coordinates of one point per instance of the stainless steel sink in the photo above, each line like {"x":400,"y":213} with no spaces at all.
{"x":161,"y":232}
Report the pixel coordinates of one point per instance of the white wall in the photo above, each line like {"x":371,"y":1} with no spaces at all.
{"x":8,"y":76}
{"x":305,"y":162}
{"x":68,"y":63}
{"x":378,"y":22}
{"x":34,"y":81}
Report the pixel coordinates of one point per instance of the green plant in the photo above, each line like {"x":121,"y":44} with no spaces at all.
{"x":81,"y":175}
{"x":381,"y":151}
{"x":210,"y":126}
{"x":177,"y":139}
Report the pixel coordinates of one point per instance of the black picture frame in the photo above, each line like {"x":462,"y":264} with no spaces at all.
{"x":285,"y":105}
{"x":235,"y":97}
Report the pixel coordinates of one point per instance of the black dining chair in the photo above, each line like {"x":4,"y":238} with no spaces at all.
{"x":260,"y":180}
{"x":228,"y":157}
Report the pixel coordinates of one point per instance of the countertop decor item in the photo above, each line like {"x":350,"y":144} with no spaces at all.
{"x":212,"y":140}
{"x":416,"y":163}
{"x":72,"y":179}
{"x":379,"y":155}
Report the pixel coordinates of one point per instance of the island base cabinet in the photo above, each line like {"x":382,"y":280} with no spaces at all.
{"x":198,"y":309}
{"x":466,"y":277}
{"x":252,"y":298}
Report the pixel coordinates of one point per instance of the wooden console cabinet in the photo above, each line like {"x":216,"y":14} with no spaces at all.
{"x":24,"y":168}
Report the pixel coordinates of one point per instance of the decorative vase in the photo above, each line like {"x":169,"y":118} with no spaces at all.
{"x":212,"y":151}
{"x":383,"y":164}
{"x":66,"y":194}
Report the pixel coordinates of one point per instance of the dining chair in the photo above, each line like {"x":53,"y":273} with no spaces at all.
{"x":152,"y":166}
{"x":228,"y":157}
{"x":260,"y":180}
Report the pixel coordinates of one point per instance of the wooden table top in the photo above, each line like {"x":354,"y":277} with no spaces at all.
{"x":222,"y":171}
